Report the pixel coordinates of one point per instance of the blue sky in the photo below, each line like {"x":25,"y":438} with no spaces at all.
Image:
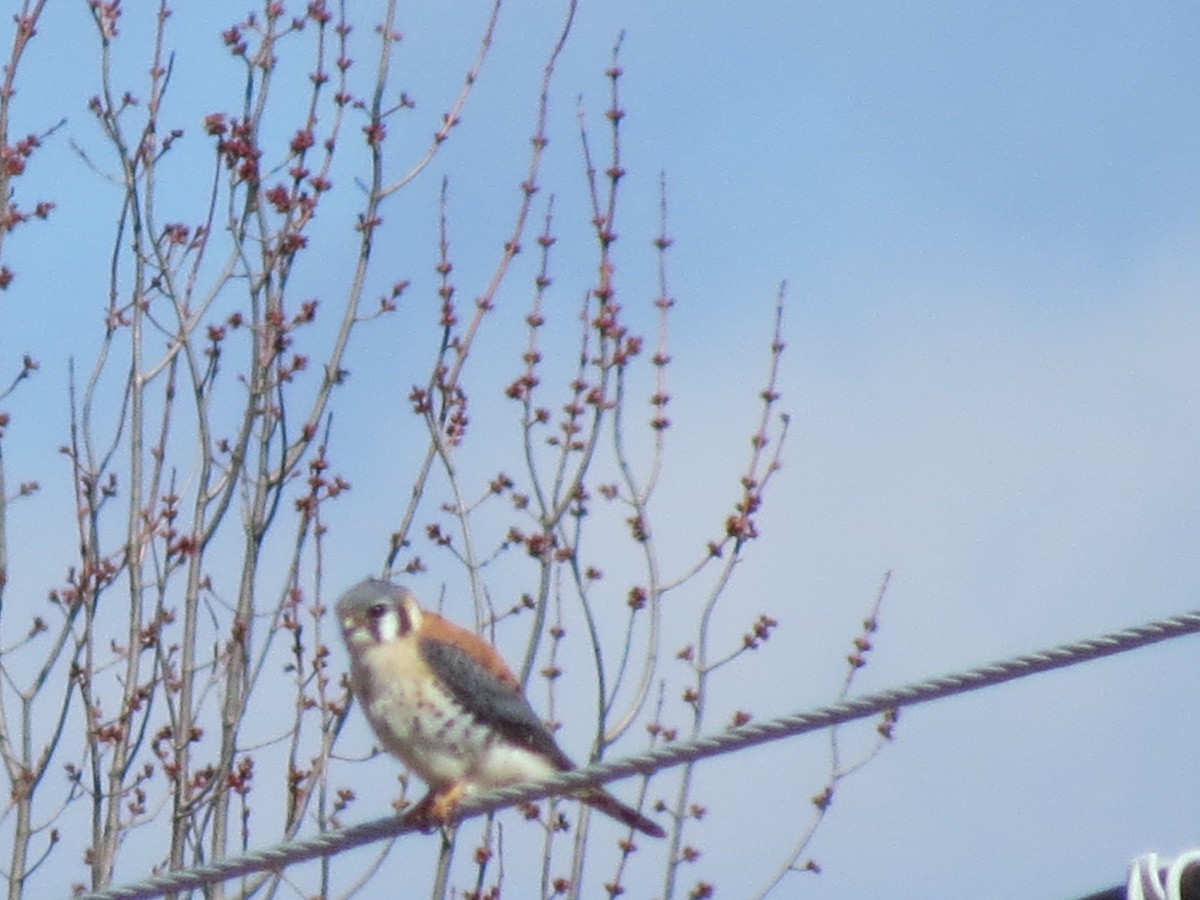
{"x":988,"y":220}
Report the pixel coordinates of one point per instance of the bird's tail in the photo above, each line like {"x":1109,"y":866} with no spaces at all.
{"x":611,"y":806}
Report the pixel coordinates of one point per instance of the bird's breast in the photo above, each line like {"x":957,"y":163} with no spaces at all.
{"x":415,"y":718}
{"x":418,"y":720}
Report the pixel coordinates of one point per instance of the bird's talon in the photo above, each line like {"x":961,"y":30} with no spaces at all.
{"x":422,"y":816}
{"x":443,"y":806}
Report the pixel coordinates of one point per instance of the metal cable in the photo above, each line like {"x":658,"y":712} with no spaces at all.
{"x":675,"y":754}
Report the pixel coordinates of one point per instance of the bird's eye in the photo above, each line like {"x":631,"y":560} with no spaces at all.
{"x":377,"y":611}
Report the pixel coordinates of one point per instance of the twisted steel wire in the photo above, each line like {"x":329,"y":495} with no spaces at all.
{"x":674,"y":754}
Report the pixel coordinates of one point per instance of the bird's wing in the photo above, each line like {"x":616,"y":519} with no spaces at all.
{"x":497,"y":702}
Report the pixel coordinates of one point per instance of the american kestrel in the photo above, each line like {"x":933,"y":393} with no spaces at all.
{"x":441,"y":699}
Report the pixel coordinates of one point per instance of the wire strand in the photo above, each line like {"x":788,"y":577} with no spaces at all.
{"x":675,"y":754}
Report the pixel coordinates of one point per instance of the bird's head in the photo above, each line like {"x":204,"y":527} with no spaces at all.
{"x":378,"y":612}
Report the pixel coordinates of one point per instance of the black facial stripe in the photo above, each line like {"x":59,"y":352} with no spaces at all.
{"x":375,"y":614}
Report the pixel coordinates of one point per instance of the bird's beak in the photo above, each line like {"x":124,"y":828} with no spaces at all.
{"x":354,"y":630}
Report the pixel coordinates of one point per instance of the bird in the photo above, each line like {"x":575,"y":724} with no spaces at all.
{"x":441,"y":699}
